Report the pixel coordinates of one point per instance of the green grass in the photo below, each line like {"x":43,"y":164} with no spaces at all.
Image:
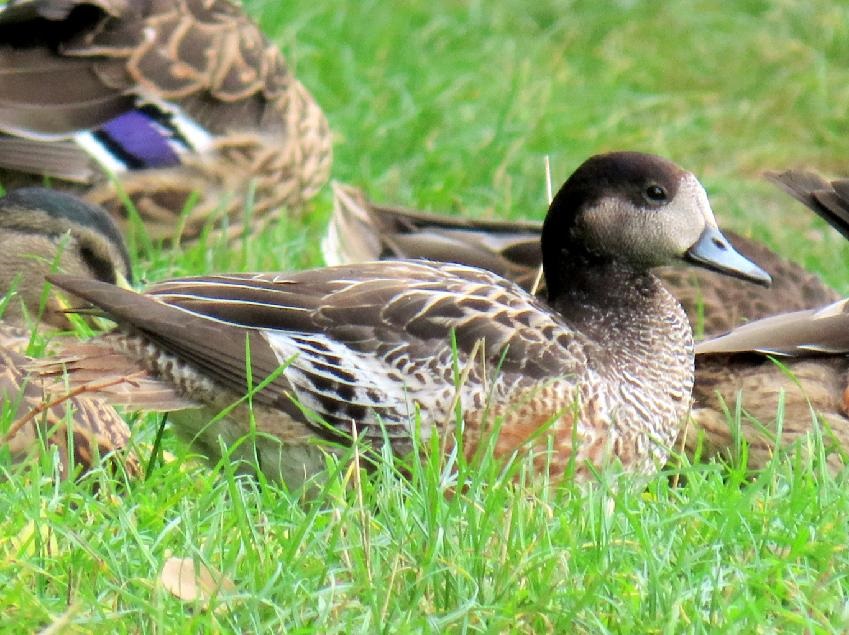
{"x":452,"y":106}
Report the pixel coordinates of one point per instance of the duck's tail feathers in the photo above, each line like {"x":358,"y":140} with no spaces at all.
{"x":829,"y":199}
{"x":94,"y":369}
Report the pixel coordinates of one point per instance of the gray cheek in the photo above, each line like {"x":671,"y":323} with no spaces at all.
{"x":607,"y":229}
{"x":651,"y":237}
{"x":683,"y":228}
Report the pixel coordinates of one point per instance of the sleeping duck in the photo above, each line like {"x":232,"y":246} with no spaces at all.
{"x":43,"y":231}
{"x":163,"y":105}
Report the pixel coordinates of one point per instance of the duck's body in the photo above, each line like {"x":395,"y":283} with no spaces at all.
{"x":812,"y":381}
{"x":377,"y":349}
{"x":371,"y":346}
{"x":778,"y":405}
{"x":779,"y":401}
{"x":178,"y":98}
{"x":42,"y":231}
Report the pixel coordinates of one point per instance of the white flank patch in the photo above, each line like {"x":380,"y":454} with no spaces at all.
{"x":371,"y":373}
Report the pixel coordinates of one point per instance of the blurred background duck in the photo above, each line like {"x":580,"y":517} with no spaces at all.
{"x":360,"y":230}
{"x":43,"y":231}
{"x":182,"y":100}
{"x":795,"y":358}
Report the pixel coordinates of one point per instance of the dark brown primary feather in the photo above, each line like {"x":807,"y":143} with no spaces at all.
{"x":72,"y":65}
{"x":829,"y":199}
{"x":216,"y":347}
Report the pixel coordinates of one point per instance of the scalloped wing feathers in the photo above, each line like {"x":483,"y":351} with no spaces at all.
{"x":357,"y":344}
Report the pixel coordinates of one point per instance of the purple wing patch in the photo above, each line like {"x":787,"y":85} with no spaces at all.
{"x":140,"y":140}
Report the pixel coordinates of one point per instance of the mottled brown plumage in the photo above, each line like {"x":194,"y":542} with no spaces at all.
{"x":606,"y":368}
{"x":179,"y":98}
{"x":810,"y":378}
{"x":43,"y":231}
{"x":79,"y":428}
{"x":813,"y":380}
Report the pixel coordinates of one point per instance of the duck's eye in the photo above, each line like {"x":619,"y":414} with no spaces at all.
{"x":655,"y":194}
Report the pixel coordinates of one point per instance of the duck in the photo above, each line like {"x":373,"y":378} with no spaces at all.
{"x":156,"y":109}
{"x":80,"y":430}
{"x":361,"y":230}
{"x":43,"y":230}
{"x":797,"y":359}
{"x":279,"y":368}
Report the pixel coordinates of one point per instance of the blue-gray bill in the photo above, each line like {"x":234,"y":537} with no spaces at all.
{"x":713,"y":251}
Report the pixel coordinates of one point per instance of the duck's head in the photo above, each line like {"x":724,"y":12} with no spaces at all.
{"x":638,"y":211}
{"x":43,"y":231}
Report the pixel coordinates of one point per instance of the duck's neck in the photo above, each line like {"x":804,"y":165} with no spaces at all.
{"x":638,"y":324}
{"x":642,"y":345}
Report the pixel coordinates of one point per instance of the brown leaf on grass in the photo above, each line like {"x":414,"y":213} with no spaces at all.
{"x":192,"y":581}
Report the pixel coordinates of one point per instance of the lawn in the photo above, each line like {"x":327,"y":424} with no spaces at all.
{"x":452,"y":105}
